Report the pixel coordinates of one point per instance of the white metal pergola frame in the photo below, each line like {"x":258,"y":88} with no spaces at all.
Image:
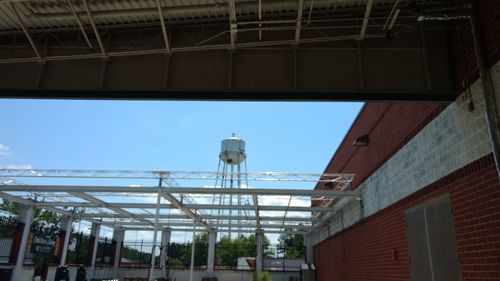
{"x":135,"y":215}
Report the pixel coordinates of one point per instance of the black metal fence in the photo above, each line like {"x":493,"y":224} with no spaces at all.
{"x":7,"y":231}
{"x":138,"y":253}
{"x":179,"y":255}
{"x":104,"y":251}
{"x":78,"y":248}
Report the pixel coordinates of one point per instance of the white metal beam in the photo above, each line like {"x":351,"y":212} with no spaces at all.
{"x":205,"y":217}
{"x":181,"y":190}
{"x":103,"y":204}
{"x":186,"y":210}
{"x":220,"y":225}
{"x":256,"y":209}
{"x":220,"y":230}
{"x":176,"y":175}
{"x":187,"y":206}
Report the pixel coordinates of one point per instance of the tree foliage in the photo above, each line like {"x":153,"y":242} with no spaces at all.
{"x":229,"y":250}
{"x":292,"y":244}
{"x":41,"y":217}
{"x":180,"y":254}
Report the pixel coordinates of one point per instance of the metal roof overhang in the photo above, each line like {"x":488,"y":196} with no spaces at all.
{"x":268,"y":50}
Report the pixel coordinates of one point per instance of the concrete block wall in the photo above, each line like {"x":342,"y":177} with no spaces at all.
{"x":450,"y":155}
{"x":455,"y":138}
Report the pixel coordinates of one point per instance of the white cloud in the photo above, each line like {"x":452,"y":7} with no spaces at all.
{"x":19,"y":166}
{"x":4,"y":150}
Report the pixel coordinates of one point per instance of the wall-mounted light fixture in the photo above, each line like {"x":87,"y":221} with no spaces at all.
{"x":361,"y":141}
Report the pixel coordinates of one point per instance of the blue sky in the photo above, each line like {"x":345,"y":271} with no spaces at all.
{"x":166,"y":135}
{"x":294,"y":137}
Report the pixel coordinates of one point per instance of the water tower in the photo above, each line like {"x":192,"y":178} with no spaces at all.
{"x":229,"y":175}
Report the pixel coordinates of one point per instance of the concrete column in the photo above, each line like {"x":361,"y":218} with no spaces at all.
{"x":67,"y":224}
{"x":309,"y":240}
{"x":118,"y":236}
{"x":259,"y":244}
{"x":165,"y":240}
{"x":94,"y":240}
{"x":26,"y":217}
{"x":212,"y":238}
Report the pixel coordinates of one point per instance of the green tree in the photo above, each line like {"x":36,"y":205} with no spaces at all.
{"x":291,"y":244}
{"x":180,"y":254}
{"x":41,"y":216}
{"x":229,"y":250}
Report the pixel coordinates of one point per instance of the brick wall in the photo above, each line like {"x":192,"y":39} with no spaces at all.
{"x":389,"y":126}
{"x":376,"y":249}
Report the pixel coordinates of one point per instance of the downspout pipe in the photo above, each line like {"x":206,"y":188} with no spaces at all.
{"x":489,"y":93}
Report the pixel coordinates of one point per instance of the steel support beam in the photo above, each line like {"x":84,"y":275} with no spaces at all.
{"x":103,"y":204}
{"x":181,"y":190}
{"x":224,"y":225}
{"x":163,"y":26}
{"x":26,"y":33}
{"x":80,"y":24}
{"x":220,"y":230}
{"x":94,"y":28}
{"x":233,"y":25}
{"x":256,"y":209}
{"x":298,"y":27}
{"x":186,"y":206}
{"x":366,"y":18}
{"x":204,"y":217}
{"x":186,"y":210}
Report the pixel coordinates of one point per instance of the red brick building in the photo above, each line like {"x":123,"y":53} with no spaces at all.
{"x":430,"y":207}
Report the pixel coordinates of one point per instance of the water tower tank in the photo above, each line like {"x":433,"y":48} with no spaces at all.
{"x":233,"y":150}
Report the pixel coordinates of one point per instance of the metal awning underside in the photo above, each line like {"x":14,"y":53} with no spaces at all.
{"x":224,"y":49}
{"x":55,"y":14}
{"x":275,"y":203}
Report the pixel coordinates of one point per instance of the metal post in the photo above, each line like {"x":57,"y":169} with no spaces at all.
{"x":153,"y":249}
{"x":231,"y":198}
{"x":308,"y":239}
{"x":212,"y":237}
{"x":68,"y":225}
{"x":259,"y":250}
{"x":193,"y":246}
{"x":165,"y":241}
{"x":26,"y":217}
{"x":118,"y":235}
{"x":96,"y":228}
